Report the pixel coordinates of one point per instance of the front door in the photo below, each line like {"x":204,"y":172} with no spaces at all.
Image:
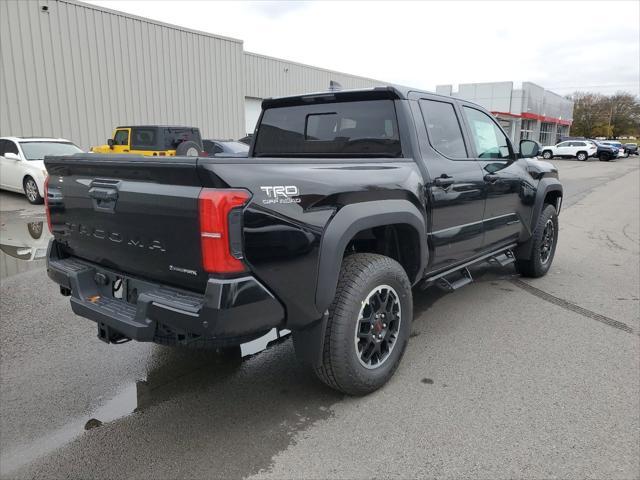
{"x":564,"y":149}
{"x":455,"y":189}
{"x":11,"y":169}
{"x":502,"y":177}
{"x":121,"y":139}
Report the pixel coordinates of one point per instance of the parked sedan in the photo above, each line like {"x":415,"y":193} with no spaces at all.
{"x":631,"y":148}
{"x":225,"y":147}
{"x":21,"y":163}
{"x":580,"y":149}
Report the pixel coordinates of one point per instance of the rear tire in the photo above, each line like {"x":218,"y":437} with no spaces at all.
{"x":547,"y":155}
{"x":543,"y":245}
{"x":31,"y":191}
{"x":582,"y":156}
{"x":368,"y":325}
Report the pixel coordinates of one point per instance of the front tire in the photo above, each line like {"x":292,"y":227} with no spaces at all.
{"x":543,"y":245}
{"x":547,"y":155}
{"x":604,"y":157}
{"x":31,"y":191}
{"x":368,"y":325}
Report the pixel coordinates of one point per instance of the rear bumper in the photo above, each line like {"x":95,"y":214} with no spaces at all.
{"x":229,"y":312}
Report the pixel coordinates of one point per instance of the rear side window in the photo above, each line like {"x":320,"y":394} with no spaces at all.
{"x":353,"y":129}
{"x":143,"y":138}
{"x":443,"y":128}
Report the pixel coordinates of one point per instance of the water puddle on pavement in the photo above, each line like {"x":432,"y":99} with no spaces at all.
{"x":23,"y":246}
{"x":159,"y":386}
{"x":23,"y":242}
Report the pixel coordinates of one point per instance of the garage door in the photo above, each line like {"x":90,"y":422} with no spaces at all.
{"x":252,"y":109}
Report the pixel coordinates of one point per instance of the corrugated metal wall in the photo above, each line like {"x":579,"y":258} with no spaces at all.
{"x":77,"y":71}
{"x":271,"y":77}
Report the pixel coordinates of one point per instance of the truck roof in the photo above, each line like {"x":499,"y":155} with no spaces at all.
{"x":154,"y":126}
{"x":392,"y":92}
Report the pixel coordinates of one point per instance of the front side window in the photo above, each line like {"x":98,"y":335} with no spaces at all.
{"x":443,"y":128}
{"x":38,"y":150}
{"x":354,"y":129}
{"x":489,"y":140}
{"x":121,"y":137}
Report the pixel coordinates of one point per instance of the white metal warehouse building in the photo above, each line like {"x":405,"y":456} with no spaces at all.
{"x":75,"y":71}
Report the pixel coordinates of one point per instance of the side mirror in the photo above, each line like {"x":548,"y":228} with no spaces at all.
{"x":110,"y":143}
{"x":529,"y":149}
{"x":11,"y":156}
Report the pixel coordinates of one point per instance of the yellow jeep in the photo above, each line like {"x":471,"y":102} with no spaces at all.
{"x":154,"y":140}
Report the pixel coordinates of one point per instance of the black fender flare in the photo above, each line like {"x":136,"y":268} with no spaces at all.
{"x":545,"y":186}
{"x":354,"y":218}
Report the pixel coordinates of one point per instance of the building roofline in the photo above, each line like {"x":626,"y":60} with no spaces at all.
{"x":172,"y":26}
{"x":305,"y":65}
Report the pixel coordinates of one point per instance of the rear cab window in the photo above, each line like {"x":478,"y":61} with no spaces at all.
{"x":366,"y":128}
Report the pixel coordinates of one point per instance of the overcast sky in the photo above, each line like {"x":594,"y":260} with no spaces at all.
{"x":563,"y":46}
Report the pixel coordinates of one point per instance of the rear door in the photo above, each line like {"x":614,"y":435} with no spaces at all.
{"x":502,"y":178}
{"x":455,"y":189}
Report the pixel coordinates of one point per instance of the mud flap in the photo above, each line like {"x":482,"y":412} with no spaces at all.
{"x":309,"y":342}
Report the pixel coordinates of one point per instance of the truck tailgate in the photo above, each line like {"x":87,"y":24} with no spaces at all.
{"x":137,"y":215}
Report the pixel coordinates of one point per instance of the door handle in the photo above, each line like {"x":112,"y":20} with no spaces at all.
{"x":443,"y":181}
{"x":491,"y":178}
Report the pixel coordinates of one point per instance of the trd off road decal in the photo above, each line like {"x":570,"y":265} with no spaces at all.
{"x":280,"y":194}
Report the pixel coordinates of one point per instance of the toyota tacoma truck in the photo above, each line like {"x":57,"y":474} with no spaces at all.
{"x":346,"y":201}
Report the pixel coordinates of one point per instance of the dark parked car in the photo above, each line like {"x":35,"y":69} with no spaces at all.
{"x":347,"y":200}
{"x":215,"y":147}
{"x":605,"y":152}
{"x":247,"y":139}
{"x":631,"y":148}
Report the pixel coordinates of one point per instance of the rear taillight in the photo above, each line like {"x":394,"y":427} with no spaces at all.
{"x":46,"y":202}
{"x":220,"y":229}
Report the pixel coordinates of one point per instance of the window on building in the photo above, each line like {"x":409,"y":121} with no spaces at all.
{"x":489,"y":140}
{"x":527,"y":128}
{"x":443,"y":128}
{"x":547,"y":135}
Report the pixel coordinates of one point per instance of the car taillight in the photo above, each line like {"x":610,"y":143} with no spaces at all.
{"x":46,"y":202}
{"x":220,"y":229}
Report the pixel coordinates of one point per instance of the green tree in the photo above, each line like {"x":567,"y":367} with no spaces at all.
{"x":624,"y":109}
{"x":589,"y":113}
{"x":596,"y":115}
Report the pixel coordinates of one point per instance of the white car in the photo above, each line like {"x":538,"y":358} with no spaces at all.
{"x":22,"y":163}
{"x":579,"y":149}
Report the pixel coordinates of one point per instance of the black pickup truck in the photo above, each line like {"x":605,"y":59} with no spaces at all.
{"x":347,"y":200}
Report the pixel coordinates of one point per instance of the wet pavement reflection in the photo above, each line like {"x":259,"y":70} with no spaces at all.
{"x":23,"y":242}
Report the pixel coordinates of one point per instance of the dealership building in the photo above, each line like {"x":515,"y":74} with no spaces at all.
{"x":76,"y":71}
{"x":526,"y":112}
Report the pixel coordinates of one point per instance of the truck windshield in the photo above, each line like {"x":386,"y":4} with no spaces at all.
{"x":37,"y":150}
{"x":352,"y":129}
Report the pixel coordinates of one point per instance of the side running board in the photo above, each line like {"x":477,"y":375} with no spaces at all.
{"x":459,"y":276}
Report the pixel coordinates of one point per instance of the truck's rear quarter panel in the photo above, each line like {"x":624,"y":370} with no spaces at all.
{"x":282,"y":238}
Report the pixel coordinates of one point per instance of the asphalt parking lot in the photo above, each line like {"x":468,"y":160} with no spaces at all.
{"x":504,"y":378}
